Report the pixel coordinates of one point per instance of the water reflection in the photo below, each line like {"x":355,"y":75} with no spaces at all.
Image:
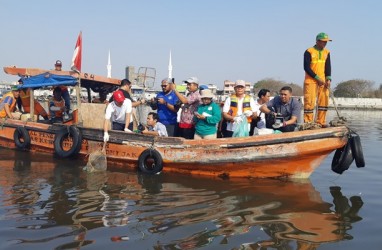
{"x":50,"y":203}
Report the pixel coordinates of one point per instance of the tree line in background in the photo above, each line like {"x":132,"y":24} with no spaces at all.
{"x":352,"y":88}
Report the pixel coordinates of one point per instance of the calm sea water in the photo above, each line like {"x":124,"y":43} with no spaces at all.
{"x":48,"y":203}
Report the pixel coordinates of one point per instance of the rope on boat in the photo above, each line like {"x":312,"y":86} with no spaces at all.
{"x":340,"y":118}
{"x":309,"y":125}
{"x":338,"y":121}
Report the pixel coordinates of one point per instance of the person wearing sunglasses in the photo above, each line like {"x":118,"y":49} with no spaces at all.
{"x":165,"y":104}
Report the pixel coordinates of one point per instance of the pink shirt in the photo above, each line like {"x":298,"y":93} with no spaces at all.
{"x":187,"y":115}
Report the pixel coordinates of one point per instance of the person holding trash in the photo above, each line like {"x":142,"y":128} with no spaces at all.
{"x":119,"y":112}
{"x":206,"y":117}
{"x":236,"y":107}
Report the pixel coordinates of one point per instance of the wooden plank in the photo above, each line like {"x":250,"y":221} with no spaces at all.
{"x":13,"y":70}
{"x":93,"y":115}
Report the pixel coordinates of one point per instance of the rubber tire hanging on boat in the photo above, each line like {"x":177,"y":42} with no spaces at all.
{"x":356,"y":148}
{"x":64,"y":133}
{"x":342,"y":159}
{"x":22,"y":138}
{"x":150,"y":162}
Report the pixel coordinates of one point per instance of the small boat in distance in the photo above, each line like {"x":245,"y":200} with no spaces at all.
{"x":287,"y":155}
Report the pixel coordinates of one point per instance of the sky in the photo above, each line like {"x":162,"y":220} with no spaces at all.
{"x":213,"y":40}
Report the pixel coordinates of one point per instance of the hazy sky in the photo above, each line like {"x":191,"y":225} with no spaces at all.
{"x":214,"y":40}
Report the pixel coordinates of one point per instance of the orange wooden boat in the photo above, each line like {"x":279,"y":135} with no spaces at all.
{"x":288,"y":155}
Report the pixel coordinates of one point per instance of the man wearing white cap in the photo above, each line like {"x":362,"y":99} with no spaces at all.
{"x":237,"y":104}
{"x":190,"y":104}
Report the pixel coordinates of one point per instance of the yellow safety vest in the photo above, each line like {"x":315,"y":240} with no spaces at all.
{"x":317,"y":64}
{"x":3,"y":114}
{"x":246,"y":106}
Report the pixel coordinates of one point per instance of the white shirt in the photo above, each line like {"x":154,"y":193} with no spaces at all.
{"x":160,"y":128}
{"x":261,"y":123}
{"x":227,"y":104}
{"x":118,"y":114}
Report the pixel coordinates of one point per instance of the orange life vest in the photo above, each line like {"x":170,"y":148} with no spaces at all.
{"x":59,"y":104}
{"x":3,"y":114}
{"x":25,"y":102}
{"x":246,"y":106}
{"x":317,"y":64}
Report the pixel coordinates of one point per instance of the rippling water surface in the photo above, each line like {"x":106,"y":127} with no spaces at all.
{"x":48,"y":203}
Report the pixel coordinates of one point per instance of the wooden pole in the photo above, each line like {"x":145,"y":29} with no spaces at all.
{"x":31,"y":102}
{"x":78,"y":95}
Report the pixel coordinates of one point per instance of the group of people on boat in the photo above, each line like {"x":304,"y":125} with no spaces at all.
{"x":197,"y":116}
{"x":19,"y":99}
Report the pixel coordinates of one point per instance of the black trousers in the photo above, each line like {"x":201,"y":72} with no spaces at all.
{"x":288,"y":128}
{"x":186,"y":133}
{"x":121,"y":126}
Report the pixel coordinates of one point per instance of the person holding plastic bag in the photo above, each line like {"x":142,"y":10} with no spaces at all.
{"x":241,"y":128}
{"x":237,"y":105}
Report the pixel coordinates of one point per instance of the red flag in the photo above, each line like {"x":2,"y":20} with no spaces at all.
{"x":77,"y":55}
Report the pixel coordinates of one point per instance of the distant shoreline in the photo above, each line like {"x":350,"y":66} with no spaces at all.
{"x":352,"y":103}
{"x":356,"y":103}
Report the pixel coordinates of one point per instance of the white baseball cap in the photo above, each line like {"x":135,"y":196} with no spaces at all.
{"x":240,"y":83}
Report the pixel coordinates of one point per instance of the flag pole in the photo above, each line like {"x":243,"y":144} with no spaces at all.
{"x":78,"y":96}
{"x":76,"y":67}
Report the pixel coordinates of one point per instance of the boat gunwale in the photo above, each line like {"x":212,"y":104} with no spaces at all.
{"x":122,"y":138}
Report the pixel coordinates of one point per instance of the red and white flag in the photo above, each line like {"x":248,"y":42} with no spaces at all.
{"x":77,"y":55}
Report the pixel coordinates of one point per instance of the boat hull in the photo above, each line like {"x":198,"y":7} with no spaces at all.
{"x":287,"y":155}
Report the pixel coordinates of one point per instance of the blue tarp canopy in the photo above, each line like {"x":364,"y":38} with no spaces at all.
{"x":47,"y":80}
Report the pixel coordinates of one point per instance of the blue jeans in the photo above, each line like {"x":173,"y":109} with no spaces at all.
{"x":66,"y":97}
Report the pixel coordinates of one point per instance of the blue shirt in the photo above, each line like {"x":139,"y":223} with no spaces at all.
{"x":166,"y":116}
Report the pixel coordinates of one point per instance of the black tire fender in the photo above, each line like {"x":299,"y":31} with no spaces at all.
{"x":64,"y":133}
{"x":150,"y":162}
{"x":342,"y":159}
{"x":356,"y":148}
{"x":22,"y":138}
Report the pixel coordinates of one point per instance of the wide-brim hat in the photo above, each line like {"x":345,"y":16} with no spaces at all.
{"x":206,"y":93}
